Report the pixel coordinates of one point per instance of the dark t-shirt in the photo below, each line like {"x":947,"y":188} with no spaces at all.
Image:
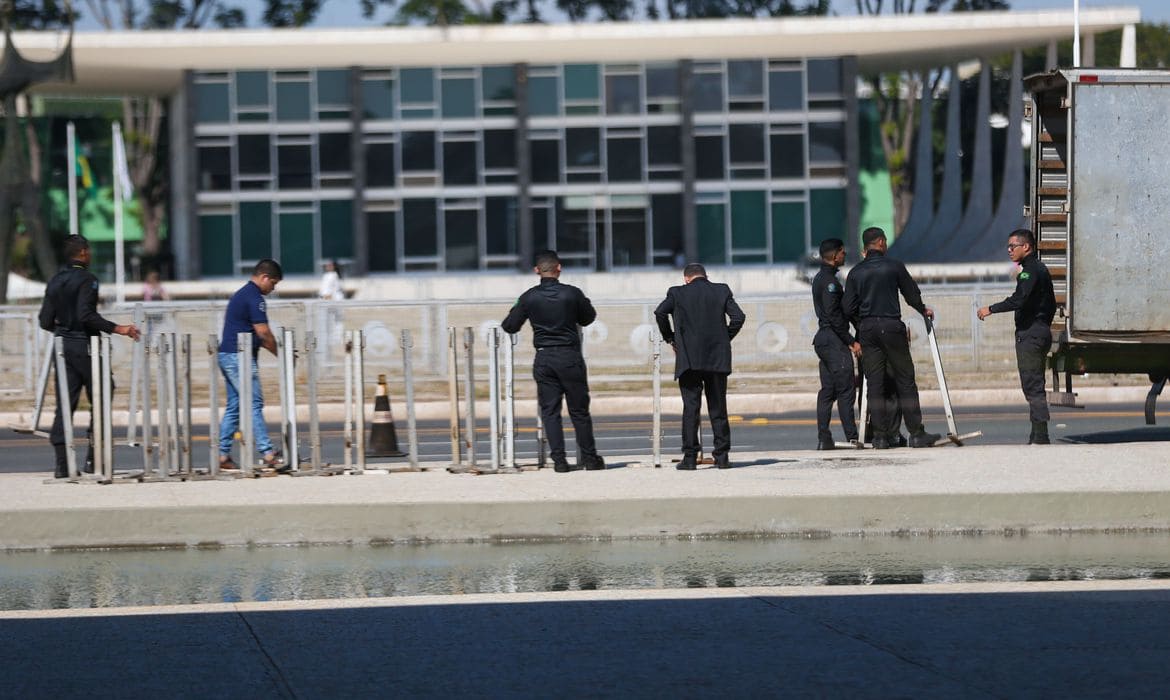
{"x":245,"y":309}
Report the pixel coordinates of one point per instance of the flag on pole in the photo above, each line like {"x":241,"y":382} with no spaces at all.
{"x":121,"y":165}
{"x":84,"y":171}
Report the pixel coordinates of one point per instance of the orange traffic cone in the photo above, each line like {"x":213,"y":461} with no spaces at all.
{"x":383,"y":437}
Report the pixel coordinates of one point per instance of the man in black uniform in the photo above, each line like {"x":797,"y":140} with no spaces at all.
{"x":871,"y":299}
{"x":69,"y":310}
{"x":835,"y":347}
{"x":706,"y":318}
{"x":556,"y":311}
{"x":1035,"y":304}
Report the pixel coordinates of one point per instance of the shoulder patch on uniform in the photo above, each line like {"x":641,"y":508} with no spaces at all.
{"x":95,"y":284}
{"x":1024,"y":276}
{"x":263,"y":306}
{"x":832,"y":287}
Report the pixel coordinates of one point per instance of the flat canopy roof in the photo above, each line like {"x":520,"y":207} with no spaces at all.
{"x":153,"y":61}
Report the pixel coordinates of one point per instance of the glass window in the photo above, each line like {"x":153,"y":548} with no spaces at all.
{"x":501,"y":225}
{"x":336,"y":228}
{"x":824,"y":76}
{"x":418,"y":85}
{"x":542,"y":97}
{"x":577,"y":227}
{"x":712,"y":233}
{"x":215,"y":245}
{"x":788,"y":238}
{"x":746,"y":143}
{"x":378,"y":98}
{"x":499,"y":148}
{"x":666,"y":211}
{"x":296,"y":243}
{"x":215,"y":168}
{"x":787,"y":155}
{"x":545,"y":160}
{"x":381,"y":233}
{"x":785,"y":90}
{"x":252,"y":88}
{"x":459,"y":163}
{"x":211,"y":103}
{"x":707,"y":92}
{"x":292,"y":102}
{"x":295,"y":167}
{"x":709,"y":157}
{"x":419,"y":227}
{"x":335,"y":155}
{"x":333,"y":87}
{"x":541,"y":229}
{"x":459,"y":98}
{"x":827,"y":213}
{"x":581,"y":82}
{"x":498,"y":83}
{"x":582,"y":147}
{"x":254,"y":155}
{"x":623,"y":94}
{"x":418,"y":150}
{"x":749,"y":225}
{"x":628,"y":235}
{"x":623,"y":160}
{"x":662,"y":81}
{"x":255,"y":230}
{"x":462,"y":238}
{"x":826,"y":142}
{"x":663,"y":145}
{"x":380,"y":165}
{"x":745,"y":79}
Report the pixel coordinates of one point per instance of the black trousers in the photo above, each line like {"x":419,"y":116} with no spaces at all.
{"x":1032,"y":347}
{"x":79,"y":374}
{"x":837,"y":385}
{"x":693,"y":384}
{"x":560,"y":373}
{"x":885,"y":348}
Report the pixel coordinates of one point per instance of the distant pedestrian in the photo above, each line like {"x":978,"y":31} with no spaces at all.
{"x":706,"y":319}
{"x":152,"y":289}
{"x":1034,"y":304}
{"x":835,"y":347}
{"x":556,"y":312}
{"x":331,"y":283}
{"x":69,"y":310}
{"x":248,"y":313}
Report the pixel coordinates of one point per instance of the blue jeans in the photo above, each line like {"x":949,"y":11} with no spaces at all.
{"x":229,"y":365}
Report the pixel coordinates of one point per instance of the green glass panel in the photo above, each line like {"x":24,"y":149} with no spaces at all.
{"x":255,"y":230}
{"x":788,"y":235}
{"x":211,"y":103}
{"x":582,"y":82}
{"x":749,"y":224}
{"x":296,"y":243}
{"x":418,"y":85}
{"x":459,"y":98}
{"x":252,"y":88}
{"x":215,"y":245}
{"x":827,"y":215}
{"x":542,"y":97}
{"x":253,"y":117}
{"x":292,"y":102}
{"x":712,"y":233}
{"x":417,"y":113}
{"x":333,"y":87}
{"x":336,"y":229}
{"x":498,"y":83}
{"x":498,"y":111}
{"x":582,"y":109}
{"x":378,"y":99}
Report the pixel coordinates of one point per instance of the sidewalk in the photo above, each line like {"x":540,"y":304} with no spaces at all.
{"x":946,"y":489}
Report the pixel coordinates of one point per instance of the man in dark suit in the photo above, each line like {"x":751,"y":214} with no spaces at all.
{"x":706,"y":318}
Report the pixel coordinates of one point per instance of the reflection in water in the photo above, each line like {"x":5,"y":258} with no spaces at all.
{"x":39,"y":580}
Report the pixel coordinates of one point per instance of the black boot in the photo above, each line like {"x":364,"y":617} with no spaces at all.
{"x":62,"y":470}
{"x":1039,"y":433}
{"x":88,"y":468}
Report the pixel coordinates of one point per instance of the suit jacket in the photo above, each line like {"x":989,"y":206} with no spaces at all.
{"x":706,"y":318}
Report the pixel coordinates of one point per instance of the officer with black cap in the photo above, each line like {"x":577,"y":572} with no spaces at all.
{"x":835,"y":347}
{"x":556,"y":312}
{"x":69,"y":310}
{"x":1034,"y":304}
{"x":871,"y":299}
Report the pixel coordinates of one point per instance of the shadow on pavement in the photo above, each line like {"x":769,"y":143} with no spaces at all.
{"x":1144,"y":434}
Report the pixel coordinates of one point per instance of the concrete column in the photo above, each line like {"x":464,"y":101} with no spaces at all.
{"x":357,"y":150}
{"x":1050,"y":58}
{"x":184,"y":190}
{"x":1128,"y":47}
{"x":523,"y":171}
{"x":852,"y":152}
{"x":1089,"y":51}
{"x":690,"y":226}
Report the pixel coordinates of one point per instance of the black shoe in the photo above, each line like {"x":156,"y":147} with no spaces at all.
{"x":924,"y":439}
{"x":826,"y":444}
{"x":881,"y":442}
{"x":899,"y":442}
{"x":1039,"y":434}
{"x":561,"y":466}
{"x":62,"y":462}
{"x":687,"y":463}
{"x":723,"y":462}
{"x":594,"y":463}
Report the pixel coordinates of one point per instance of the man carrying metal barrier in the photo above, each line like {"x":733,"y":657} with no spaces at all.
{"x":1034,"y":304}
{"x":706,"y":319}
{"x":556,"y":312}
{"x":835,"y":347}
{"x":246,"y":313}
{"x":69,"y":310}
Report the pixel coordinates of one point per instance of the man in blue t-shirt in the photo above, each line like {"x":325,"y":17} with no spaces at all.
{"x":246,"y":313}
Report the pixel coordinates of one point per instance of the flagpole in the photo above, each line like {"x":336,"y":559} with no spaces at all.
{"x":71,"y":146}
{"x":119,"y":215}
{"x":1076,"y":33}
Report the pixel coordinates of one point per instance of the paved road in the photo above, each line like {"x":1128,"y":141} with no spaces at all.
{"x":1003,"y":425}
